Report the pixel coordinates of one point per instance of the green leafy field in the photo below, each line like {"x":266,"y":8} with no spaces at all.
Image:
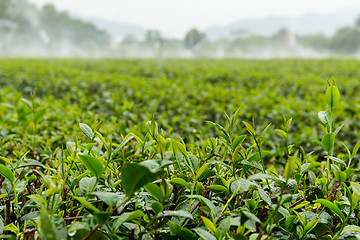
{"x":211,"y":149}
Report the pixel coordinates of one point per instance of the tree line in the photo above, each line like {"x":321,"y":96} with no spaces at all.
{"x":23,"y":23}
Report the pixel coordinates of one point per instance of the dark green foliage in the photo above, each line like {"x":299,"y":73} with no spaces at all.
{"x":118,"y":150}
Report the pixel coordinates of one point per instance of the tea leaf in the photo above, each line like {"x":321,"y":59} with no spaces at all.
{"x":157,"y":207}
{"x":356,"y":188}
{"x":350,"y":228}
{"x":332,"y":95}
{"x":206,"y":201}
{"x":125,"y":217}
{"x":209,"y":224}
{"x":310,"y":226}
{"x":181,"y":182}
{"x":93,"y":164}
{"x":237,"y":141}
{"x":135,"y":176}
{"x":290,"y":166}
{"x":264,"y":196}
{"x":12,"y":228}
{"x":332,"y":207}
{"x":222,"y":129}
{"x":102,"y":217}
{"x":28,"y":103}
{"x":328,"y":142}
{"x":154,"y":191}
{"x":355,"y":149}
{"x":282,"y":133}
{"x":338,"y":160}
{"x":204,"y":234}
{"x":59,"y":227}
{"x":202,"y":170}
{"x":249,"y":128}
{"x":177,"y":146}
{"x":87,"y":204}
{"x":86,"y":130}
{"x":7,"y":173}
{"x":122,"y":144}
{"x":223,"y":228}
{"x":265,"y":131}
{"x":46,"y":226}
{"x":39,"y":200}
{"x":219,"y":188}
{"x":110,"y":198}
{"x":179,"y":213}
{"x":251,"y":216}
{"x":86,"y":184}
{"x":183,"y":233}
{"x":340,"y":176}
{"x":326,"y":118}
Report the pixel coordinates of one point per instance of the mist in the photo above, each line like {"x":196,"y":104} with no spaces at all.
{"x":30,"y":31}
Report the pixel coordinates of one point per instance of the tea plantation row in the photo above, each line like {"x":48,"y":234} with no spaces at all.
{"x":210,"y":149}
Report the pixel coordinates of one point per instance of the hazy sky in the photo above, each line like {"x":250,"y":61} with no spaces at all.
{"x":175,"y":17}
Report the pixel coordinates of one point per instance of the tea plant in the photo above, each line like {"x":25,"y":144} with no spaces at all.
{"x":65,"y":177}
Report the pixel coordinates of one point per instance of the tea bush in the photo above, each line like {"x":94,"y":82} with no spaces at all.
{"x":120,"y":150}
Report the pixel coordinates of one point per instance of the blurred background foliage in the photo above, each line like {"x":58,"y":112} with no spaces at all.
{"x":124,"y":94}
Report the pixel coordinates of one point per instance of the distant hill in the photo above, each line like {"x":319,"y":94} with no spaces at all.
{"x":311,"y":23}
{"x":116,"y":29}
